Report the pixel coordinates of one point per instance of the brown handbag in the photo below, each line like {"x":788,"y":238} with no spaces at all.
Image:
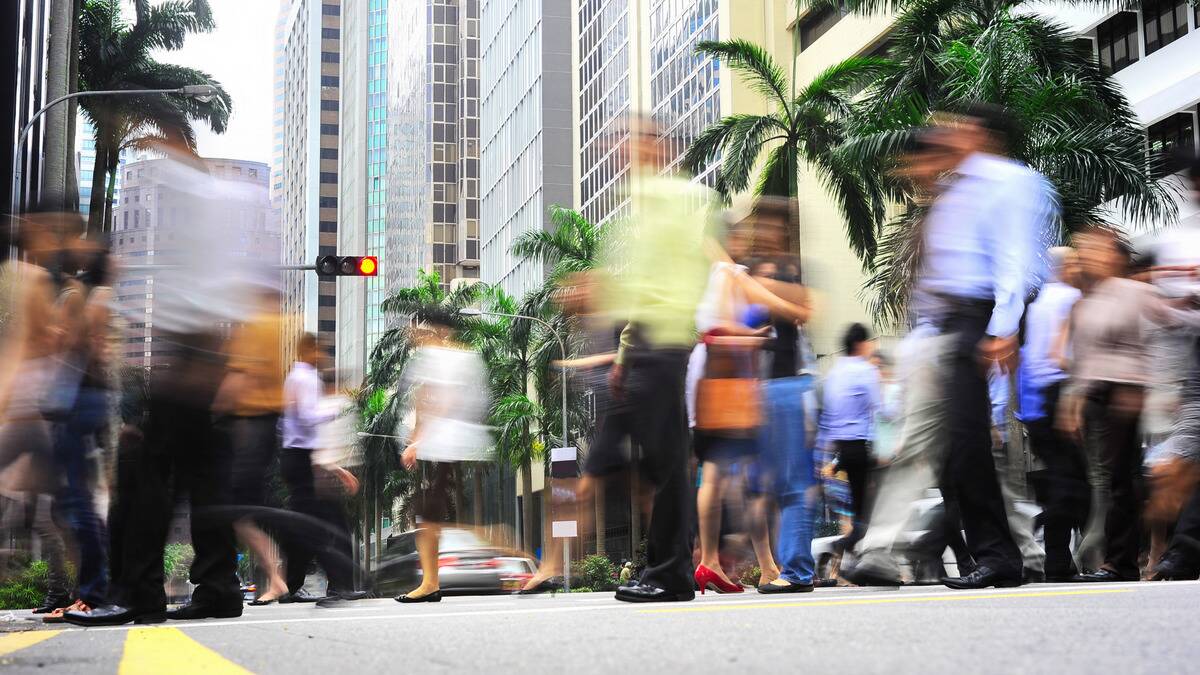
{"x":728,"y":399}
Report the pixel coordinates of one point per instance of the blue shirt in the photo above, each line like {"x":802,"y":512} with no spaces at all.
{"x":851,"y":401}
{"x":1044,"y":319}
{"x":984,"y":239}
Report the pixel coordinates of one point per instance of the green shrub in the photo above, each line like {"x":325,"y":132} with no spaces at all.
{"x":750,"y":576}
{"x":26,"y":588}
{"x":827,"y":528}
{"x":595,"y":572}
{"x":177,"y":561}
{"x":580,"y":589}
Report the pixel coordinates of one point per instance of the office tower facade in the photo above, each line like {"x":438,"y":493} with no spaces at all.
{"x":526,"y":130}
{"x":432,"y":162}
{"x":362,"y":204}
{"x":85,"y":164}
{"x":149,"y":213}
{"x":309,"y":190}
{"x":278,"y":62}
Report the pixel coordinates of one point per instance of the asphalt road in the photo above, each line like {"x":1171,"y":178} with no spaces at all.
{"x":1044,"y":628}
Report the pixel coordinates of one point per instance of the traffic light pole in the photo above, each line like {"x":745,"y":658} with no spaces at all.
{"x":159,"y":268}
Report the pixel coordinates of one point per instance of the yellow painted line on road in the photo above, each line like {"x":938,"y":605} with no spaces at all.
{"x":152,"y":651}
{"x":718,"y":607}
{"x":11,"y":642}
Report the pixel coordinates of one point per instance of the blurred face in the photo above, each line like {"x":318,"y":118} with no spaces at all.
{"x":1099,"y":257}
{"x":924,"y":167}
{"x":737,"y":243}
{"x":766,"y":270}
{"x":1070,"y":272}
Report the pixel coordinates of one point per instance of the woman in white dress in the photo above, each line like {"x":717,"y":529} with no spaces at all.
{"x":449,"y":396}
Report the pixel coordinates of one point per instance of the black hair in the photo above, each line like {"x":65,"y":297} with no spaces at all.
{"x":855,"y":335}
{"x":995,"y":119}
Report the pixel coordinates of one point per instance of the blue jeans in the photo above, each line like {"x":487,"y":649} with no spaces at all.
{"x":788,"y":458}
{"x":71,"y":447}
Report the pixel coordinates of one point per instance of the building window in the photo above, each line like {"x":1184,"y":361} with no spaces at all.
{"x":1172,"y":141}
{"x":327,"y":177}
{"x":329,"y":34}
{"x":331,"y":10}
{"x":1117,"y":42}
{"x":330,"y":57}
{"x":1163,"y":22}
{"x":326,"y":104}
{"x":326,"y":326}
{"x":329,"y":80}
{"x":326,"y":301}
{"x":328,"y":202}
{"x":329,"y":129}
{"x":253,"y":173}
{"x":328,"y":226}
{"x":329,"y":153}
{"x":817,"y":22}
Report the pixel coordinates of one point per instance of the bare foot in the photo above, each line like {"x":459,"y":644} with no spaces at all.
{"x":768,"y":576}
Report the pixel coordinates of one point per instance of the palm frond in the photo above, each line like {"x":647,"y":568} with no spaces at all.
{"x":755,"y":63}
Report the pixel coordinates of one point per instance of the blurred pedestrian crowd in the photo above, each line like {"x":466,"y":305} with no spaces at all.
{"x":1038,"y":419}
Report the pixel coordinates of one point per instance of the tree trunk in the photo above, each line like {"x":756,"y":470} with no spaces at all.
{"x":113,"y":159}
{"x":378,"y":530}
{"x":601,"y":526}
{"x":96,"y":206}
{"x":635,"y":513}
{"x":477,"y":494}
{"x":527,"y":543}
{"x":58,"y":146}
{"x":366,"y":536}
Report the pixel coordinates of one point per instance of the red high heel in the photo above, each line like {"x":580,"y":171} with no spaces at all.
{"x":706,"y":578}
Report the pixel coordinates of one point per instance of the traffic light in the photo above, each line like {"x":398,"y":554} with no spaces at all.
{"x":347,"y":265}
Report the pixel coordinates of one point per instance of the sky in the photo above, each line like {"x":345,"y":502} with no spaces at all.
{"x":238,"y":55}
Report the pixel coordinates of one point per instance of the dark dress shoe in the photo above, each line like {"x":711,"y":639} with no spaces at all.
{"x":193,"y":610}
{"x":869,"y":574}
{"x":551,"y":585}
{"x":299,"y":596}
{"x":335,"y":600}
{"x":1032,"y":576}
{"x":983,"y":577}
{"x":1102,"y":575}
{"x":648,"y":593}
{"x":53,"y":602}
{"x":790,"y":587}
{"x":406,"y":599}
{"x":113,"y":615}
{"x":1172,"y":568}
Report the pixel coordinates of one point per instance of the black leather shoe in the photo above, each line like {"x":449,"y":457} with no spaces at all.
{"x":113,"y":615}
{"x":866,"y":573}
{"x":192,"y":611}
{"x":773,"y":588}
{"x":53,"y":602}
{"x":1032,"y":576}
{"x":648,"y":593}
{"x":982,"y":577}
{"x":1101,"y":575}
{"x":299,"y":596}
{"x":406,"y":599}
{"x":335,"y":600}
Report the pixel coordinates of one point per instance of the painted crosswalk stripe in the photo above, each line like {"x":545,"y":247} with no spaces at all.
{"x":12,"y":642}
{"x":162,"y":650}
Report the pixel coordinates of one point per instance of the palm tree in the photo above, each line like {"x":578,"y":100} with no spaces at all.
{"x":1071,"y":121}
{"x":803,"y":127}
{"x":116,"y":54}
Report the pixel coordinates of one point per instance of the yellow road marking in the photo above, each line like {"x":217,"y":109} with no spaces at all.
{"x":167,"y":650}
{"x":11,"y":642}
{"x":717,"y":607}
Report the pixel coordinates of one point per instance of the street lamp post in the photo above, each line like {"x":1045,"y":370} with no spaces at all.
{"x":204,"y":92}
{"x":562,"y":346}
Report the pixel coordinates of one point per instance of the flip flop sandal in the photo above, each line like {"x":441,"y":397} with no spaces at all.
{"x":59,"y":615}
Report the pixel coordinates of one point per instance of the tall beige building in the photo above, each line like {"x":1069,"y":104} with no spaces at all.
{"x":309,"y":187}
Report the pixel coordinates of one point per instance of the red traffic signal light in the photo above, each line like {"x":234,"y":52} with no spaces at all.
{"x":347,"y":266}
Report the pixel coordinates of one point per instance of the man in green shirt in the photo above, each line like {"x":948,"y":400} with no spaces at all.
{"x":658,"y":278}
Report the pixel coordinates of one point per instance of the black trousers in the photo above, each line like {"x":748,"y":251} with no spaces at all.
{"x":181,"y":453}
{"x":969,"y":474}
{"x":1185,"y":541}
{"x":1061,"y":487}
{"x":855,"y":459}
{"x":322,"y":532}
{"x":657,"y":422}
{"x":1114,"y":412}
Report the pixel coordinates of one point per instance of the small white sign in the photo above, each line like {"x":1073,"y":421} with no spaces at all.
{"x":564,"y":454}
{"x":564,"y":528}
